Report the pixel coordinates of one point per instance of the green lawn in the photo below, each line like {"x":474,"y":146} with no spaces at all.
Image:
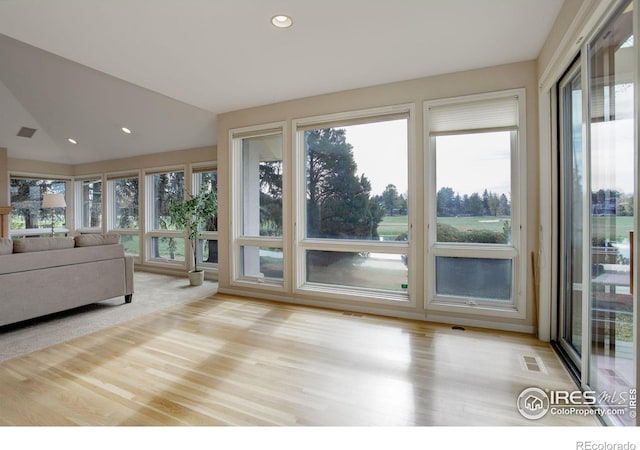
{"x":131,"y":244}
{"x":166,"y":245}
{"x":475,"y":223}
{"x":614,"y":228}
{"x":392,"y":226}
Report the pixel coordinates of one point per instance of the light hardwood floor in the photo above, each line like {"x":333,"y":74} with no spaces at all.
{"x":233,"y":361}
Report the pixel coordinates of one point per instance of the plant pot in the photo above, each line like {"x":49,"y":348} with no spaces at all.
{"x":196,"y":277}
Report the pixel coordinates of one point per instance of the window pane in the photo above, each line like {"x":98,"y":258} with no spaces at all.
{"x":473,"y":175}
{"x":167,"y":248}
{"x":571,"y":217}
{"x":613,"y":166}
{"x":357,"y":181}
{"x":26,"y":200}
{"x":208,"y":180}
{"x":208,"y":251}
{"x":131,"y":244}
{"x":166,"y":188}
{"x":125,"y":192}
{"x":262,"y":185}
{"x":262,"y":262}
{"x":475,"y":278}
{"x":361,"y":270}
{"x":91,"y":212}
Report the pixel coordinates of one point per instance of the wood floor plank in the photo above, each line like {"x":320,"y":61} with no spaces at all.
{"x":227,"y":360}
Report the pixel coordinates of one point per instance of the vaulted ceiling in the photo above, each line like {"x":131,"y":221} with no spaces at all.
{"x":165,"y":68}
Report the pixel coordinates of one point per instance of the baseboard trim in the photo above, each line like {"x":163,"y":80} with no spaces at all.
{"x":210,"y":275}
{"x":501,"y":326}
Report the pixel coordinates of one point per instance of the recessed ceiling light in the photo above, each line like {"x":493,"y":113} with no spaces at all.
{"x":281,"y":21}
{"x":126,"y":130}
{"x":73,"y":141}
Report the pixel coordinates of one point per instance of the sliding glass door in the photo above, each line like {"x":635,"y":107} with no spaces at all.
{"x":597,"y":193}
{"x":612,"y":170}
{"x":572,"y":201}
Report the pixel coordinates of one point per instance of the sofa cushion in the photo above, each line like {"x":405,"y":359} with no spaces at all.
{"x":89,"y":240}
{"x":23,"y":262}
{"x":6,"y":246}
{"x":41,"y":244}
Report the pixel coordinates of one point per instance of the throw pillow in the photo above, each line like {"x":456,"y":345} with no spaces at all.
{"x":89,"y":240}
{"x":41,"y":244}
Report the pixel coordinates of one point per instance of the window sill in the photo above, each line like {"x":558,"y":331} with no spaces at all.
{"x":479,"y":308}
{"x":358,"y":294}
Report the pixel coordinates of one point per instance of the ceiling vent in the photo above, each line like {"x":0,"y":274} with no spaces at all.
{"x":26,"y":132}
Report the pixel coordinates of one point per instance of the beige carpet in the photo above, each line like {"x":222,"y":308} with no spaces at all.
{"x":153,"y":292}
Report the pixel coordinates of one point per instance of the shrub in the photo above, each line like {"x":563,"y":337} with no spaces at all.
{"x":449,"y":233}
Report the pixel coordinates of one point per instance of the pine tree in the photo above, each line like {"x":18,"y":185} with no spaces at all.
{"x":338,"y":200}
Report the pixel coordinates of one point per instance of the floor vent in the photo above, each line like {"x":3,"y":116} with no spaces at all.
{"x":458,"y":327}
{"x":26,"y":132}
{"x":532,"y":364}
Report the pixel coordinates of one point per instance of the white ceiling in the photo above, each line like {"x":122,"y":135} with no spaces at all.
{"x":166,"y":68}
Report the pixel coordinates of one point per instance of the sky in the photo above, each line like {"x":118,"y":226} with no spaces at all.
{"x":466,"y":163}
{"x":470,"y":163}
{"x":612,"y":158}
{"x":380,"y":151}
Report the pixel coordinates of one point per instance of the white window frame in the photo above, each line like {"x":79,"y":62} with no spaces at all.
{"x":516,"y":251}
{"x":111,"y":209}
{"x":196,"y":171}
{"x":150,"y":233}
{"x":79,"y":209}
{"x":238,"y":239}
{"x":303,"y":244}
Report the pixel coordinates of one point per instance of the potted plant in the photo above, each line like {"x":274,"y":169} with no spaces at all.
{"x":192,"y":215}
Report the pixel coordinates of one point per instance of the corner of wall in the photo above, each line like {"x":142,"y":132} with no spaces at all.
{"x":4,"y":178}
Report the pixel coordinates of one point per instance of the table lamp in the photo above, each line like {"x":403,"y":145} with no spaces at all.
{"x":53,"y":201}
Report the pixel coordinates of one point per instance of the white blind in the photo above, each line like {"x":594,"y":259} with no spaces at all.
{"x":94,"y":179}
{"x":160,"y":171}
{"x":488,"y":114}
{"x":258,"y":133}
{"x":122,"y":176}
{"x":352,"y":121}
{"x":202,"y":169}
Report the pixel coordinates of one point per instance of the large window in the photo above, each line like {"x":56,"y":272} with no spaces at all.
{"x":356,"y":210}
{"x":475,"y":166}
{"x":258,"y":160}
{"x":124,"y":210}
{"x":89,"y":205}
{"x":164,"y":242}
{"x":350,"y":208}
{"x":26,"y":200}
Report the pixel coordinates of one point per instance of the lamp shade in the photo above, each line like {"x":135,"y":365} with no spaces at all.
{"x":53,"y":201}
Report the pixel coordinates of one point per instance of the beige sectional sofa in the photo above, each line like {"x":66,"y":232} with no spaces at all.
{"x":40,"y":276}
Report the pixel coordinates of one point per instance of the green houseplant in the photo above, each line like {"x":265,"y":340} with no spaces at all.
{"x":192,"y":215}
